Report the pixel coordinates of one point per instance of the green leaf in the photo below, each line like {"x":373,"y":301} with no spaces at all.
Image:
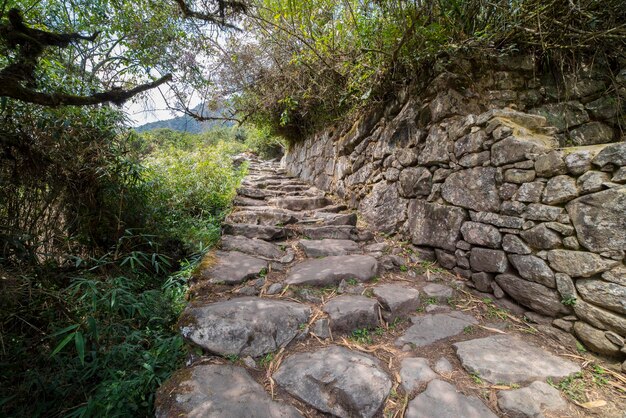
{"x":64,"y":330}
{"x":62,"y":344}
{"x":80,"y":346}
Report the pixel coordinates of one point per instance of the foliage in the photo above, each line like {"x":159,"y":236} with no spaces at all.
{"x":312,"y":62}
{"x":101,"y":229}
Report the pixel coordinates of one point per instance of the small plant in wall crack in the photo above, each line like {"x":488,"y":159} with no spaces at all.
{"x":569,"y":301}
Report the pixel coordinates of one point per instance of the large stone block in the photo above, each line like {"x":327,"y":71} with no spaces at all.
{"x":611,"y":296}
{"x":490,"y":261}
{"x":474,"y":188}
{"x":579,"y":263}
{"x":515,"y":148}
{"x":533,"y":295}
{"x":415,"y":181}
{"x":534,"y":269}
{"x":437,"y":147}
{"x":600,"y":219}
{"x":481,"y":234}
{"x":435,"y":225}
{"x":563,"y":115}
{"x":383,"y":208}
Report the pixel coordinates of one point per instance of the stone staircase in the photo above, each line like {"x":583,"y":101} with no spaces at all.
{"x":301,"y":313}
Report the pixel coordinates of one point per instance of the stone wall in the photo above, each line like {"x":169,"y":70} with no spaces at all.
{"x":480,"y":168}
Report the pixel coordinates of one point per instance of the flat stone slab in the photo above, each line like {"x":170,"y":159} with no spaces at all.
{"x":507,"y":359}
{"x":300,"y":203}
{"x":441,"y":400}
{"x":247,"y":201}
{"x":398,"y":300}
{"x":326,"y":247}
{"x":247,"y":326}
{"x":232,"y":267}
{"x":335,"y":218}
{"x":264,"y":232}
{"x":414,"y":371}
{"x":217,"y":391}
{"x":336,"y":380}
{"x":430,"y":328}
{"x":349,"y":312}
{"x":332,"y":270}
{"x":252,"y":246}
{"x":439,"y":292}
{"x":531,"y":401}
{"x":336,"y":232}
{"x":265,"y":217}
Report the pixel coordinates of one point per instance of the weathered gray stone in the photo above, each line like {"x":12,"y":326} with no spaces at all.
{"x":481,"y":234}
{"x":430,"y":328}
{"x":591,"y":133}
{"x":603,"y":108}
{"x":267,"y":233}
{"x":473,"y":188}
{"x":571,"y":243}
{"x":616,"y":275}
{"x":331,"y":270}
{"x":534,"y":269}
{"x":562,"y":229}
{"x":441,"y":400}
{"x":397,"y":299}
{"x":565,"y":286}
{"x":504,"y":358}
{"x":579,"y":263}
{"x":436,"y":148}
{"x":600,"y":318}
{"x":469,"y":143}
{"x":383,"y":209}
{"x":559,"y":189}
{"x":332,"y":218}
{"x":326,"y":247}
{"x":529,"y":192}
{"x":530,"y":402}
{"x":438,"y":292}
{"x":349,"y":312}
{"x":321,"y":328}
{"x":515,"y":175}
{"x":550,"y":164}
{"x":563,"y":115}
{"x":475,"y":159}
{"x":336,"y":380}
{"x":579,"y":161}
{"x":266,"y":217}
{"x":541,"y":237}
{"x":513,"y":244}
{"x":435,"y":225}
{"x":612,"y":154}
{"x":507,"y":191}
{"x":533,"y":295}
{"x":490,"y":261}
{"x":414,"y":181}
{"x":595,"y":339}
{"x":619,"y":176}
{"x":445,"y":259}
{"x":252,"y":246}
{"x":231,"y":267}
{"x":335,"y":232}
{"x":274,"y":289}
{"x":512,"y":208}
{"x":611,"y":296}
{"x":501,"y":221}
{"x":414,"y":372}
{"x":247,"y":326}
{"x":539,"y":212}
{"x":614,"y":338}
{"x":482,"y":281}
{"x":515,"y":148}
{"x":600,"y":219}
{"x":564,"y":325}
{"x":592,"y":181}
{"x":443,"y":366}
{"x":216,"y":391}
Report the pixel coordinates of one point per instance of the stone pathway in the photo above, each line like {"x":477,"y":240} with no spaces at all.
{"x":300,"y":313}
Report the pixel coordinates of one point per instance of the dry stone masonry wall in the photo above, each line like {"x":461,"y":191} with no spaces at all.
{"x":510,"y":179}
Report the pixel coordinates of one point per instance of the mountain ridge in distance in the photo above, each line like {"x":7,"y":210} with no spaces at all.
{"x":186,"y":123}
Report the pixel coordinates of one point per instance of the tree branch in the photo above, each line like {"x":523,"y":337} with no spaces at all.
{"x":214,"y":18}
{"x":9,"y":88}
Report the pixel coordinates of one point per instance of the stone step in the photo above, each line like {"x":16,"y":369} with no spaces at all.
{"x":332,"y":270}
{"x":264,"y":232}
{"x":230,"y":267}
{"x":217,"y":391}
{"x":335,"y":232}
{"x":297,"y":203}
{"x":336,"y":381}
{"x":273,"y":217}
{"x":245,"y":326}
{"x":327,"y":247}
{"x":252,"y":246}
{"x":247,"y":201}
{"x":430,"y":328}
